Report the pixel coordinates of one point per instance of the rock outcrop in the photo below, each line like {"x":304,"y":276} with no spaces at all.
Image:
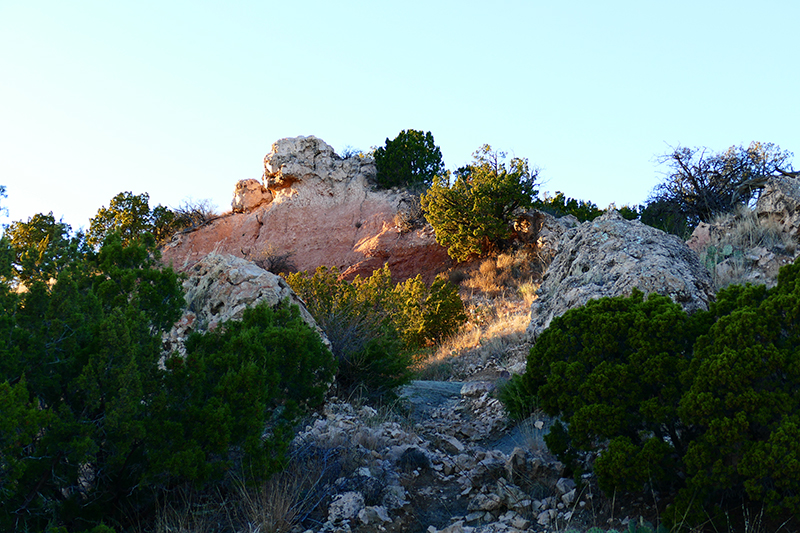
{"x":750,"y":246}
{"x":779,"y":204}
{"x":220,"y":287}
{"x":609,"y":257}
{"x":445,"y":471}
{"x":248,"y":195}
{"x":320,"y":209}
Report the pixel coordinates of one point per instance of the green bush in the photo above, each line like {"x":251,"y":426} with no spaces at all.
{"x":704,"y":406}
{"x":427,"y":315}
{"x":611,"y":370}
{"x":412,"y":159}
{"x":91,"y":428}
{"x":244,"y":377}
{"x":559,"y":206}
{"x":356,"y":317}
{"x":744,"y":397}
{"x":375,"y":326}
{"x":473,"y":215}
{"x":42,"y":247}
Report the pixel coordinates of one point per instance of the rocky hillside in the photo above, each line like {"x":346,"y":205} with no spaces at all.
{"x":448,"y":459}
{"x":315,"y":208}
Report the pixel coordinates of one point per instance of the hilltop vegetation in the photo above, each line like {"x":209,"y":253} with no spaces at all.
{"x":99,"y":427}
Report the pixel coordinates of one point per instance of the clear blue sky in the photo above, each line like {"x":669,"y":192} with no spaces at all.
{"x":183,"y":99}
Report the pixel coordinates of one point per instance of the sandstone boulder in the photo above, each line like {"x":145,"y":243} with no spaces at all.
{"x":609,"y":257}
{"x":248,"y":195}
{"x":220,"y":287}
{"x":324,"y":211}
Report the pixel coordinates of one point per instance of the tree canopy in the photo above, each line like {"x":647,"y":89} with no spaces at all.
{"x":42,"y":247}
{"x":473,"y":214}
{"x":703,"y":406}
{"x":411,"y":159}
{"x":130,"y":216}
{"x":700,"y":184}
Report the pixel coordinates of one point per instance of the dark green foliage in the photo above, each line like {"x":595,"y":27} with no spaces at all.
{"x":611,"y":369}
{"x":473,"y":215}
{"x":559,"y":206}
{"x":410,"y":160}
{"x":82,"y":354}
{"x":699,"y":185}
{"x":260,"y":372}
{"x":42,"y":247}
{"x":666,"y":216}
{"x":130,"y":216}
{"x":584,"y":210}
{"x":91,"y":428}
{"x":703,"y":405}
{"x":744,"y":397}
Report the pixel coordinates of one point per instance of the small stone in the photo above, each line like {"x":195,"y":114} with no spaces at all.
{"x":374,"y":515}
{"x":545,"y":517}
{"x":521,"y":522}
{"x":346,"y":506}
{"x":564,"y":485}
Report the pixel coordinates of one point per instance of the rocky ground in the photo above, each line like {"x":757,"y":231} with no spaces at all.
{"x":446,"y":459}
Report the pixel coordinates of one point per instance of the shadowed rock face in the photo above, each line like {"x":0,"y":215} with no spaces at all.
{"x":609,"y":257}
{"x":322,"y":210}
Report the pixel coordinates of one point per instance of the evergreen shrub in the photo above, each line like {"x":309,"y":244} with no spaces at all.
{"x":702,"y":406}
{"x":93,"y":429}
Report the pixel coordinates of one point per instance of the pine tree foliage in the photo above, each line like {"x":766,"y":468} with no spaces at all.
{"x":704,"y":406}
{"x":92,"y":426}
{"x":472,"y":216}
{"x":411,"y":160}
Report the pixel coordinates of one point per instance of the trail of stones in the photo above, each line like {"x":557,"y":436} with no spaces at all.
{"x":451,"y":465}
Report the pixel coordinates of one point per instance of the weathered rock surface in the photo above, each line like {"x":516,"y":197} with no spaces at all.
{"x":610,"y":256}
{"x":432,"y":476}
{"x":324,"y":211}
{"x":220,"y":287}
{"x":779,"y":203}
{"x":751,"y":247}
{"x":249,"y":194}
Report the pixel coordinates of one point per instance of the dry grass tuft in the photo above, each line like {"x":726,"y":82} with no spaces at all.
{"x":735,"y":236}
{"x":498,"y":276}
{"x":495,"y":331}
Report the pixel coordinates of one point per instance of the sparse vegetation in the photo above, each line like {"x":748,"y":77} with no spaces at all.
{"x":738,"y":235}
{"x":376,"y":326}
{"x":274,"y":261}
{"x":699,"y":185}
{"x":192,"y":214}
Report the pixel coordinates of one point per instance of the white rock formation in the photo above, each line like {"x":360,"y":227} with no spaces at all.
{"x":220,"y":287}
{"x":609,"y":257}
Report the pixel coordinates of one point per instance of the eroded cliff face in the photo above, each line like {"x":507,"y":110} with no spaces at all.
{"x":320,"y":209}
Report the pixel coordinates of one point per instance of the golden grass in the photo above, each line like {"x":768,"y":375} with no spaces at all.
{"x":495,"y":329}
